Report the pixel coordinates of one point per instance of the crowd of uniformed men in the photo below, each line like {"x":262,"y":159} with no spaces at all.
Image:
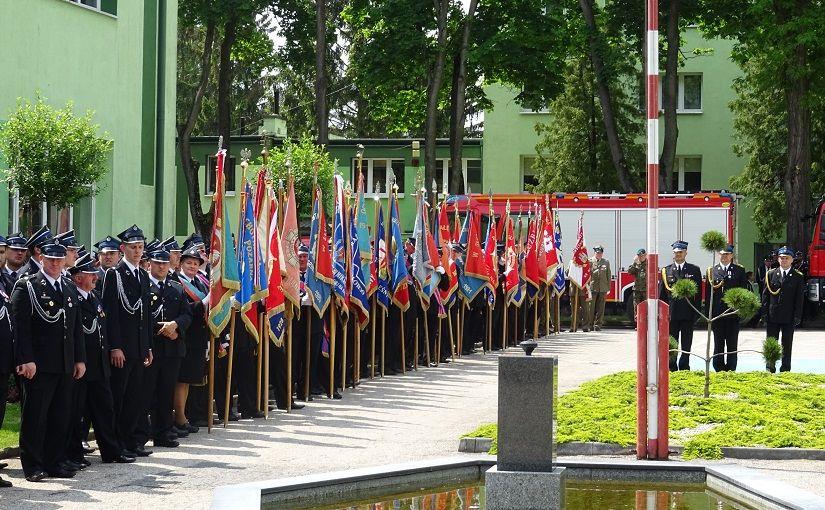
{"x":117,"y":341}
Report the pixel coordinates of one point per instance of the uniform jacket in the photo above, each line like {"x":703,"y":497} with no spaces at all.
{"x":127,"y":331}
{"x":680,"y":310}
{"x":6,"y":280}
{"x":782,"y":300}
{"x":53,"y":346}
{"x":6,"y":337}
{"x":197,"y":328}
{"x":639,"y":272}
{"x":29,"y":268}
{"x":94,"y":335}
{"x":600,"y":275}
{"x":723,"y":280}
{"x":169,"y":304}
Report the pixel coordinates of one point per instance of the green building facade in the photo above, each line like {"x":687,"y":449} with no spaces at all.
{"x":705,"y":158}
{"x":117,"y":58}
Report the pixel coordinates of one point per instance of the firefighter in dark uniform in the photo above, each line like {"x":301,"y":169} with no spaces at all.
{"x":782,"y":302}
{"x":50,"y":354}
{"x":95,"y":400}
{"x":6,"y":358}
{"x":34,"y":244}
{"x":15,"y":261}
{"x":682,"y":315}
{"x":638,"y":269}
{"x":170,"y":318}
{"x":724,"y":276}
{"x":108,"y":256}
{"x":126,"y":301}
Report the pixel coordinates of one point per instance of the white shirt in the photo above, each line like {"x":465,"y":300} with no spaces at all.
{"x":83,"y":293}
{"x":130,"y":266}
{"x":156,"y":281}
{"x":50,"y":279}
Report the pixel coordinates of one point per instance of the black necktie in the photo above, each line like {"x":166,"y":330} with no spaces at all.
{"x":13,"y":275}
{"x":782,"y":279}
{"x":57,"y":289}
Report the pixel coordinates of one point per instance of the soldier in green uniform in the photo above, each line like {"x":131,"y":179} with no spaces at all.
{"x":639,"y":271}
{"x":600,"y":276}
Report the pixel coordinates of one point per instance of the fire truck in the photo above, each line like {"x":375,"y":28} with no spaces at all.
{"x":618,"y":222}
{"x":816,"y":259}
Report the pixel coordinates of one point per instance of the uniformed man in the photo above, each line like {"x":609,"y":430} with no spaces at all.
{"x":68,"y":240}
{"x":171,"y":245}
{"x":38,"y":239}
{"x":600,"y":278}
{"x":6,"y":358}
{"x":171,"y":317}
{"x":95,"y":393}
{"x":126,"y":301}
{"x":638,"y":269}
{"x":50,"y":353}
{"x":15,"y":260}
{"x":3,"y":246}
{"x":724,"y":276}
{"x":683,"y":316}
{"x":782,"y":302}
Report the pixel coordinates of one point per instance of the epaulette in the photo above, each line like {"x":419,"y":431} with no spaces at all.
{"x":740,"y":265}
{"x":798,"y":272}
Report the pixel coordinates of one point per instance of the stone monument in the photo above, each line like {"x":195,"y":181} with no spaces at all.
{"x":525,"y":477}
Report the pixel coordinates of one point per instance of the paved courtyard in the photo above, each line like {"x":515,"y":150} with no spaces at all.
{"x":401,"y":418}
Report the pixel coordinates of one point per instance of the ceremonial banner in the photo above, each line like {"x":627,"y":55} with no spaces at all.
{"x":579,"y":271}
{"x":290,"y":242}
{"x":532,"y":274}
{"x":360,"y":219}
{"x":358,"y":289}
{"x":476,"y":273}
{"x":223,"y":280}
{"x":400,"y":290}
{"x":559,"y":283}
{"x":379,"y":261}
{"x":339,"y":247}
{"x":511,"y":279}
{"x":490,"y":256}
{"x":275,"y":301}
{"x":443,"y":241}
{"x":550,"y":252}
{"x":421,"y":270}
{"x":261,"y":209}
{"x":319,"y":265}
{"x":247,"y":296}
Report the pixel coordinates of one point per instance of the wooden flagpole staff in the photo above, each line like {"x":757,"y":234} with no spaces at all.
{"x":288,"y":315}
{"x":231,"y":353}
{"x":308,"y":364}
{"x":211,"y":404}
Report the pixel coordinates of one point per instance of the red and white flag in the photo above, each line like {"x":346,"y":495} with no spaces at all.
{"x":579,"y":270}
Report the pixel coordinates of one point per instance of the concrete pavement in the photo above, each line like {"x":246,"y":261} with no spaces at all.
{"x":397,"y":419}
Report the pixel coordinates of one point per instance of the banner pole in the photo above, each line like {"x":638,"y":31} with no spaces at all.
{"x":308,"y":364}
{"x":228,"y":401}
{"x":211,"y":404}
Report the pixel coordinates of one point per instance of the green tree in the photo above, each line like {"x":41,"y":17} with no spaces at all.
{"x":760,"y":125}
{"x":788,"y":37}
{"x":307,"y":162}
{"x":53,"y":156}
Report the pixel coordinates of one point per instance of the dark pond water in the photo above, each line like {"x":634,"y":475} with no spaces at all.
{"x":579,"y":496}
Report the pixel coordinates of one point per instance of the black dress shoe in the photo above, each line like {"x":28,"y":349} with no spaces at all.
{"x":166,"y":443}
{"x":232,"y":417}
{"x":60,"y":473}
{"x":200,"y":423}
{"x":81,"y":461}
{"x":86,"y":447}
{"x":336,"y":396}
{"x":37,"y":476}
{"x":188,"y":427}
{"x":120,"y":459}
{"x":179,"y":432}
{"x":5,"y":483}
{"x":253,"y":415}
{"x":128,"y":453}
{"x":68,"y":466}
{"x":141,"y":451}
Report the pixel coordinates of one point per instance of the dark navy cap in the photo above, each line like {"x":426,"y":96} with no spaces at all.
{"x":17,"y":241}
{"x":108,"y":243}
{"x":53,"y":249}
{"x":785,"y":251}
{"x":39,"y":238}
{"x":679,"y":246}
{"x":67,"y":239}
{"x":303,"y":249}
{"x":84,"y":264}
{"x":193,"y":253}
{"x":727,"y":249}
{"x":132,"y":234}
{"x":152,"y":245}
{"x":171,"y":244}
{"x":159,"y":255}
{"x":641,"y":251}
{"x":81,"y":250}
{"x":193,"y":240}
{"x":3,"y":241}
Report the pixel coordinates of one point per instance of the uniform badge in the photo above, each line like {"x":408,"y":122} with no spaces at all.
{"x":154,"y":298}
{"x":51,"y":303}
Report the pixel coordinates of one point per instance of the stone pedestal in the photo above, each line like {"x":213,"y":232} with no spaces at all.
{"x":523,"y":490}
{"x":525,"y":477}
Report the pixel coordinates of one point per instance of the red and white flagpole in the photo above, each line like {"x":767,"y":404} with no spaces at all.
{"x":652,"y":361}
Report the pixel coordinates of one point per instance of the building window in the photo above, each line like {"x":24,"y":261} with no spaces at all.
{"x":529,"y":111}
{"x":529,"y":177}
{"x":470,"y":176}
{"x":229,"y":174}
{"x":378,"y":171}
{"x":107,"y":6}
{"x":687,"y":174}
{"x":688,"y":93}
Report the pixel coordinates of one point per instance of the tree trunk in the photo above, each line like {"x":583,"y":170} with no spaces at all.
{"x":458,"y":99}
{"x":605,"y":99}
{"x":202,"y":221}
{"x":225,"y":80}
{"x":433,"y":90}
{"x":667,"y":160}
{"x":797,"y":182}
{"x":321,"y":113}
{"x":591,"y":111}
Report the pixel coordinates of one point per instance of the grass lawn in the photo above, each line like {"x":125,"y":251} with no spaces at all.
{"x":11,"y":426}
{"x":745,"y":409}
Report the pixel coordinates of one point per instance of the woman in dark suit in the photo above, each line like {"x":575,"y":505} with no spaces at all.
{"x":197,"y":336}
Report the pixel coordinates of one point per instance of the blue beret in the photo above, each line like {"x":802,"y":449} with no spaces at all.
{"x":641,"y":251}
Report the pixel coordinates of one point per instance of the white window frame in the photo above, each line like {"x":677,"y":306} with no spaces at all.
{"x":96,"y":8}
{"x":530,"y":111}
{"x":680,"y":168}
{"x":523,"y":167}
{"x":206,"y":181}
{"x":680,"y":100}
{"x":444,"y":165}
{"x":369,"y":184}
